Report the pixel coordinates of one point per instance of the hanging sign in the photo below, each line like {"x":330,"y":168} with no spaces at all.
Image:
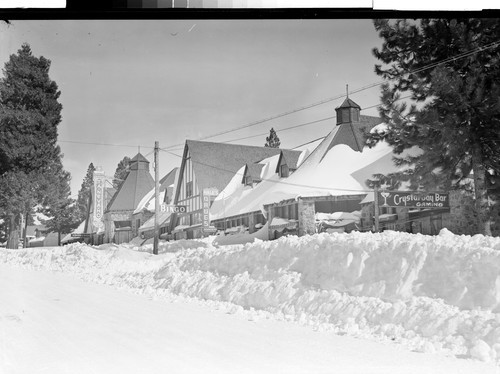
{"x":205,"y":219}
{"x":97,"y":219}
{"x":210,"y":191}
{"x":81,"y":235}
{"x":173,"y":208}
{"x":414,"y":199}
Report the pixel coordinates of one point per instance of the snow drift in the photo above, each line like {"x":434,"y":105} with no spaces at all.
{"x":429,"y":293}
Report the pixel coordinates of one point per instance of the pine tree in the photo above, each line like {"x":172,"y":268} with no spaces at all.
{"x":29,"y":116}
{"x":62,"y":210}
{"x":121,"y":172}
{"x":85,"y":193}
{"x":454,"y":115}
{"x":272,"y":140}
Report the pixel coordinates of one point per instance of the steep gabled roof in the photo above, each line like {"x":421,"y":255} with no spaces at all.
{"x":352,"y":134}
{"x":168,"y":179}
{"x":253,"y":171}
{"x":215,"y":164}
{"x":289,"y":157}
{"x":135,"y":186}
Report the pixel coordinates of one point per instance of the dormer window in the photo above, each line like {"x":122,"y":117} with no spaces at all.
{"x":284,"y":171}
{"x":247,"y":180}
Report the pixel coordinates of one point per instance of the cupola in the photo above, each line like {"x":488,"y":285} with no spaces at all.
{"x":139,"y":162}
{"x":348,"y":112}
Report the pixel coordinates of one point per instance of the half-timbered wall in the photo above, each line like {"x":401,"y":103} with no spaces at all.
{"x":190,"y":196}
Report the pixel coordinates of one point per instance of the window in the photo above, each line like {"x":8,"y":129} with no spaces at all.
{"x":197,"y":218}
{"x":293,"y":211}
{"x":355,"y":115}
{"x":248,"y":180}
{"x":189,"y":189}
{"x":345,"y":115}
{"x":284,"y":171}
{"x":123,"y":224}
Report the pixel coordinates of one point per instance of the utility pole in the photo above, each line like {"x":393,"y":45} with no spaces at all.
{"x":157,"y":197}
{"x":377,"y":219}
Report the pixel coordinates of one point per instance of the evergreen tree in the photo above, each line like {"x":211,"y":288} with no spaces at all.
{"x":454,"y":114}
{"x":272,"y":140}
{"x":62,"y":210}
{"x":85,"y":193}
{"x":121,"y":172}
{"x":29,"y":156}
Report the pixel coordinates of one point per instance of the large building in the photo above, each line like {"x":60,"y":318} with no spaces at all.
{"x":206,"y":170}
{"x":322,"y":182}
{"x":328,"y":191}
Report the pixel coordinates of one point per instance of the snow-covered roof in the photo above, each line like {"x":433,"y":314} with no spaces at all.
{"x":137,"y":184}
{"x":321,"y":174}
{"x":332,"y":169}
{"x":214,"y":164}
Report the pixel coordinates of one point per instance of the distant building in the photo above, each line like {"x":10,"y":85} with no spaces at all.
{"x":100,"y":196}
{"x":119,"y":225}
{"x":144,"y":213}
{"x":39,"y":236}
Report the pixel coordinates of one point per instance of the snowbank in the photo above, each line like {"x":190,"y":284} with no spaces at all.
{"x":429,"y":293}
{"x":242,"y":238}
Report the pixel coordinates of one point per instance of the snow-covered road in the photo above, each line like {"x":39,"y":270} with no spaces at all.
{"x":56,"y":323}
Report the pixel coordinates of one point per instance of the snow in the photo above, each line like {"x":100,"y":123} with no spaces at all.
{"x":380,"y":128}
{"x":148,"y":202}
{"x":55,"y":323}
{"x":242,"y":238}
{"x":437,"y":295}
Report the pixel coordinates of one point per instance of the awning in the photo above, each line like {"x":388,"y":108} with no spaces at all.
{"x":339,"y":223}
{"x":179,"y":228}
{"x":279,"y":224}
{"x":337,"y":219}
{"x":387,"y":217}
{"x":125,"y":228}
{"x":335,"y":216}
{"x":163,"y":219}
{"x":185,"y":227}
{"x":236,"y":229}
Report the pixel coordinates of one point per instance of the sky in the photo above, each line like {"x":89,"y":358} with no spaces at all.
{"x":128,"y":83}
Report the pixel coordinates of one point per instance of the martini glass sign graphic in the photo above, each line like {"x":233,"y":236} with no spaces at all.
{"x":385,"y":195}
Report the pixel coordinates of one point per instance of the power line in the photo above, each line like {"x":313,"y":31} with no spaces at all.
{"x":277,"y":129}
{"x":247,"y":137}
{"x":430,"y":66}
{"x":104,"y":144}
{"x":368,"y":107}
{"x":309,"y":142}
